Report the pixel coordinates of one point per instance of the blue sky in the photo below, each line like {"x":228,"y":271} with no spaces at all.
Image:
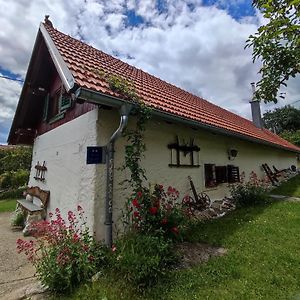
{"x":196,"y":45}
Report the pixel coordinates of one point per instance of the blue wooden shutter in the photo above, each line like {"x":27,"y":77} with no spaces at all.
{"x":65,"y":102}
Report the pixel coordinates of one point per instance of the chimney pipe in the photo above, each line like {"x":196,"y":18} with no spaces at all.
{"x":255,"y":109}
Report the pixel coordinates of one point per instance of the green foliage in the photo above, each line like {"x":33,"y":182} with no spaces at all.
{"x":289,"y":188}
{"x":63,"y":255}
{"x":15,"y":159}
{"x":18,"y":218}
{"x":157,"y":213}
{"x":13,"y":180}
{"x":12,"y":193}
{"x":277,"y":44}
{"x":123,"y":86}
{"x":292,"y":136}
{"x":251,"y":192}
{"x":282,"y":119}
{"x":261,"y":262}
{"x":142,"y":259}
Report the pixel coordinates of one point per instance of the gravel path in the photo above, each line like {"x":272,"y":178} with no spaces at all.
{"x":16,"y":274}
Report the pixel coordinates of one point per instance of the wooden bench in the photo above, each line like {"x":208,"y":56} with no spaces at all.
{"x":32,"y":211}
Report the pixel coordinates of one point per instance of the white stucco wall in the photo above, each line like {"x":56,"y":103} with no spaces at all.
{"x":70,"y":180}
{"x":214,"y":149}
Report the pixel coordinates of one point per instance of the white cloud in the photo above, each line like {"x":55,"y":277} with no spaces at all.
{"x":200,"y":49}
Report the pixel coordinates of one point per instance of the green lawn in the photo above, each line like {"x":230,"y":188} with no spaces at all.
{"x":289,"y":188}
{"x":7,"y":205}
{"x":262,"y":261}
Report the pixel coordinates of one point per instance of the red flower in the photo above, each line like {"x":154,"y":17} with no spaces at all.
{"x":136,"y":214}
{"x":135,"y":203}
{"x":139,"y":194}
{"x":161,"y":187}
{"x":113,"y":248}
{"x":157,"y":203}
{"x":164,"y":221}
{"x":153,"y":210}
{"x":175,"y":230}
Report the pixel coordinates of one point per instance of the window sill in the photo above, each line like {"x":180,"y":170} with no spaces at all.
{"x":57,"y":118}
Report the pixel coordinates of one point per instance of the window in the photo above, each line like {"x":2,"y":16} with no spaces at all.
{"x":56,"y":104}
{"x":215,"y":175}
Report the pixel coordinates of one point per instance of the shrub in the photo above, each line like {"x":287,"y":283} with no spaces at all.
{"x":249,"y":193}
{"x":18,"y":218}
{"x":12,"y":194}
{"x":142,"y":259}
{"x":19,"y":178}
{"x":157,"y":212}
{"x":63,"y":255}
{"x":14,"y":179}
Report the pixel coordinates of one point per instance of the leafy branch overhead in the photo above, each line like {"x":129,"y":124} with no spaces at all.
{"x":277,"y":44}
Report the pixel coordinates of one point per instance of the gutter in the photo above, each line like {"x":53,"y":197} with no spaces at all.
{"x":99,"y":98}
{"x":110,"y":150}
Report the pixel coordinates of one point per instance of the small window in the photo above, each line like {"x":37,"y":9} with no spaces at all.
{"x":210,"y":175}
{"x":56,"y":104}
{"x":53,"y":106}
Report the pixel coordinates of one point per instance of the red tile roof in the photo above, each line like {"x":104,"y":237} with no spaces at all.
{"x":84,"y":61}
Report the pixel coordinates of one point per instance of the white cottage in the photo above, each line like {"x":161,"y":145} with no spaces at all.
{"x":66,"y":109}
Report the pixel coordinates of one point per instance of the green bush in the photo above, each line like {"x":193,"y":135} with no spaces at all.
{"x":156,"y":212}
{"x":12,"y":193}
{"x":18,"y":218}
{"x":15,"y":159}
{"x":19,"y":178}
{"x":64,"y":255}
{"x":142,"y":259}
{"x":14,"y":179}
{"x":249,"y":193}
{"x":5,"y":180}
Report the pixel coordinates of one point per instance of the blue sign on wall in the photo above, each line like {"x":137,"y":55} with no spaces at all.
{"x":95,"y":155}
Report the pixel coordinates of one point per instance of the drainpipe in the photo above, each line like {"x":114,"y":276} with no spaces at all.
{"x":124,"y":113}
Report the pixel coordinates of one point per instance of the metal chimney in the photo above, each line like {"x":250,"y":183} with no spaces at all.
{"x":255,"y":109}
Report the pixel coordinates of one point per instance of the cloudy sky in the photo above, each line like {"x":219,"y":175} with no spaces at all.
{"x":197,"y":45}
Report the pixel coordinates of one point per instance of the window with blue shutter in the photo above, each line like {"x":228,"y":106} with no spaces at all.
{"x":65,"y":102}
{"x":46,"y":107}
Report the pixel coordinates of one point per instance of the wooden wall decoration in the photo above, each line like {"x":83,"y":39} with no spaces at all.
{"x":40,"y":171}
{"x":183,"y":150}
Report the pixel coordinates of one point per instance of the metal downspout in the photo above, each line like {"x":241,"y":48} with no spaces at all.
{"x":124,"y":112}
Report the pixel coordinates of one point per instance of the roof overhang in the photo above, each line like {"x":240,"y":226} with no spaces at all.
{"x":102,"y":99}
{"x":61,"y":67}
{"x":19,"y":131}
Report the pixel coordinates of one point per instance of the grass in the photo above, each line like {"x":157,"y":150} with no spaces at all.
{"x":289,"y":188}
{"x":7,"y":205}
{"x":262,"y":261}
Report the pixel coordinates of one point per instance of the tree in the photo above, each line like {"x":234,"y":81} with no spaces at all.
{"x":277,"y":44}
{"x":282,"y":119}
